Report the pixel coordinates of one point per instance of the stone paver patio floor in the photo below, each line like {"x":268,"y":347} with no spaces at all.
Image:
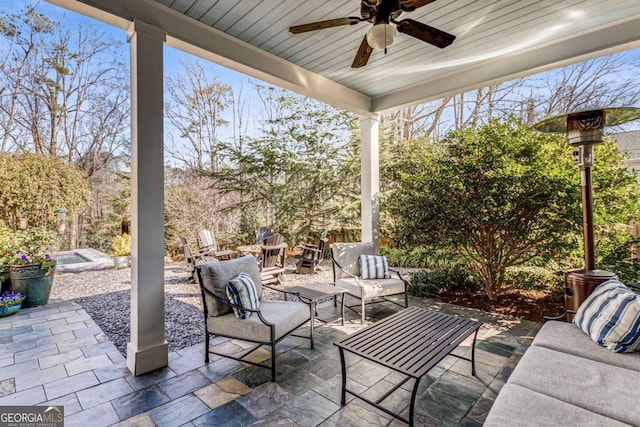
{"x":56,"y":355}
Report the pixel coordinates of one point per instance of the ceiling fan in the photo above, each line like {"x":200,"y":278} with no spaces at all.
{"x":383,"y":13}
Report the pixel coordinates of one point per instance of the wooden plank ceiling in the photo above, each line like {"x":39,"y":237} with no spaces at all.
{"x":497,"y":40}
{"x":485,"y":30}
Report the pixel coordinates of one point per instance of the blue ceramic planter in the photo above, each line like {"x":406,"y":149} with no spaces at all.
{"x":32,"y":282}
{"x":8,"y":311}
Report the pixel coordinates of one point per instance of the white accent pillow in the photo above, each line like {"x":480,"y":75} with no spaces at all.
{"x":611,"y":317}
{"x":241,"y":291}
{"x":374,"y":267}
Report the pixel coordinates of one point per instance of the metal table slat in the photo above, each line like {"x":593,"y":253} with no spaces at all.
{"x":436,"y":336}
{"x":410,"y":339}
{"x":422,"y":346}
{"x":392,"y":337}
{"x":423,"y":363}
{"x":386,"y":324}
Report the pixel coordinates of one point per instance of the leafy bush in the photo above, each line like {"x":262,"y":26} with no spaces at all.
{"x":619,"y":261}
{"x":429,"y":283}
{"x":421,"y":257}
{"x":534,"y":278}
{"x":121,"y":245}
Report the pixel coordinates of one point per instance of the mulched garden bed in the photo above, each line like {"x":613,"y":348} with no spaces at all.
{"x":520,"y":303}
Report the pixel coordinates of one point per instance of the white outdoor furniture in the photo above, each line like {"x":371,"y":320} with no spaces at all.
{"x":346,"y":274}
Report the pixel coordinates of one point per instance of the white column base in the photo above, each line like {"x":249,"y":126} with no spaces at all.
{"x":150,"y":359}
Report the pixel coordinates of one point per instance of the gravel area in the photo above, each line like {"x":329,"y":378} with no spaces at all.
{"x":105,"y":296}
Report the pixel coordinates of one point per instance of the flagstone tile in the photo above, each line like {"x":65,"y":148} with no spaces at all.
{"x":309,"y":409}
{"x":102,"y":393}
{"x":40,"y":376}
{"x":69,"y":385}
{"x":140,"y":420}
{"x":221,"y":392}
{"x":59,"y":359}
{"x":183,"y":384}
{"x":98,"y":416}
{"x":231,"y":414}
{"x":148,"y":379}
{"x":83,"y":365}
{"x":140,"y":401}
{"x":219,"y":369}
{"x":178,"y":412}
{"x":31,"y":396}
{"x":265,"y":399}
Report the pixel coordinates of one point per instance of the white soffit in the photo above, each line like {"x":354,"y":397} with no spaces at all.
{"x":496,"y":40}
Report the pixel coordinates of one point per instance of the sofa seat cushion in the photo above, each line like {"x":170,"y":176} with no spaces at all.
{"x":371,"y":288}
{"x":518,"y":406}
{"x":216,"y":275}
{"x":567,"y":338}
{"x":597,"y":387}
{"x":285,"y":315}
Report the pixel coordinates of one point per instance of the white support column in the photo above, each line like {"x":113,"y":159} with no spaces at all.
{"x":147,"y":349}
{"x":370,"y":178}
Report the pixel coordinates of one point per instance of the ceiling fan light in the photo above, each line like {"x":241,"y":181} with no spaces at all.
{"x":381,"y":35}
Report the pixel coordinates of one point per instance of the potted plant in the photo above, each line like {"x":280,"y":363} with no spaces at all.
{"x":10,"y":303}
{"x":32,"y":275}
{"x":121,"y":250}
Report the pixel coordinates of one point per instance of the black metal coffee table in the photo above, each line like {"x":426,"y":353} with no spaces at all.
{"x":410,"y":342}
{"x":314,"y":292}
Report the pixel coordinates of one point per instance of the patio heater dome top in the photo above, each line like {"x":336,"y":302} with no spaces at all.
{"x":613,"y":116}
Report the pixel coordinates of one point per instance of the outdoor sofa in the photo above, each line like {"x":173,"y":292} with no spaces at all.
{"x":567,"y":379}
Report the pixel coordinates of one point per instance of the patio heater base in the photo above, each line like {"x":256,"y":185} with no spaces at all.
{"x":579,"y":284}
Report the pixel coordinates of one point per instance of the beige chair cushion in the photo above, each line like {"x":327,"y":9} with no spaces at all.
{"x":371,"y":288}
{"x":285,"y":315}
{"x":348,"y":256}
{"x":215,"y":276}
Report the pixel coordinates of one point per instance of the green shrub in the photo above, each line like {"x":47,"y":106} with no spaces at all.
{"x":534,"y":277}
{"x":430,"y":283}
{"x":619,"y":261}
{"x":421,"y":257}
{"x":121,"y":245}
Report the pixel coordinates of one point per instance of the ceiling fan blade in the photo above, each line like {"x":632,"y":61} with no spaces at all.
{"x":362,"y":57}
{"x":410,"y":5}
{"x":297,"y":29}
{"x":425,"y":33}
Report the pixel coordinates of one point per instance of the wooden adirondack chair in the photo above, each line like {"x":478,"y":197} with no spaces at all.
{"x":274,"y":252}
{"x":207,"y":243}
{"x":311,"y":255}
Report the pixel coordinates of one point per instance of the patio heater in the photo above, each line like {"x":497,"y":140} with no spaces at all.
{"x":584,"y":129}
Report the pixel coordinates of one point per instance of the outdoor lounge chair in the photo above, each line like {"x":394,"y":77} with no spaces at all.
{"x":274,"y":252}
{"x":268,"y":325}
{"x":208,"y":243}
{"x":311,"y":255}
{"x":347,"y":275}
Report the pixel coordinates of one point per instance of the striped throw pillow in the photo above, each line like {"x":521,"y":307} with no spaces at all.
{"x":242,"y":292}
{"x":611,"y":317}
{"x":374,"y":267}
